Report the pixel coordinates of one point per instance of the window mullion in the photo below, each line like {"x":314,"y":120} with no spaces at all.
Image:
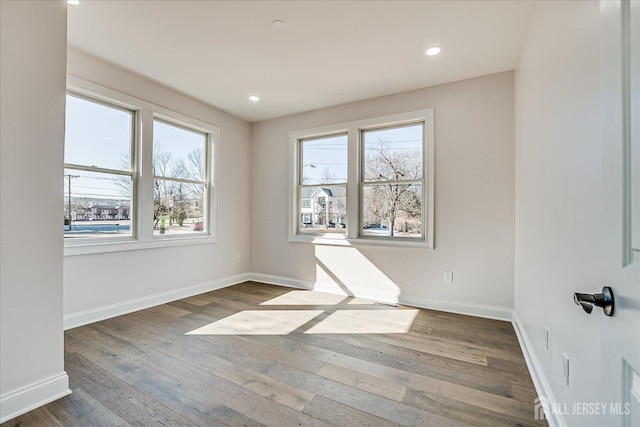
{"x":97,"y":169}
{"x":180,"y":180}
{"x":400,"y":182}
{"x":144,"y":166}
{"x":353,"y":192}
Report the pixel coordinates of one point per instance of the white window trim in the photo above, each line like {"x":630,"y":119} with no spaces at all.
{"x":143,"y":237}
{"x":353,"y":130}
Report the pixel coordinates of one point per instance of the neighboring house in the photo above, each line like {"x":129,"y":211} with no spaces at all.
{"x":321,"y":206}
{"x":107,"y":212}
{"x":79,"y":213}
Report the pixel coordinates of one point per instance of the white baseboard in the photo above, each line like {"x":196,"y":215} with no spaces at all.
{"x":477,"y":310}
{"x":355,"y":291}
{"x":330,"y":288}
{"x":458,"y":307}
{"x":537,"y":374}
{"x":106,"y":312}
{"x":28,"y":398}
{"x":280,"y":281}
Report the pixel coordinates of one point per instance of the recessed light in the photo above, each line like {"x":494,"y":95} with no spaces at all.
{"x":73,"y":2}
{"x":433,"y":51}
{"x":279,"y":25}
{"x":254,"y":98}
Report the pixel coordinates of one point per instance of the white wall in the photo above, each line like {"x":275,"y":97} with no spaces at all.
{"x":558,"y":185}
{"x":32,"y":82}
{"x":92,"y":282}
{"x":474,"y":206}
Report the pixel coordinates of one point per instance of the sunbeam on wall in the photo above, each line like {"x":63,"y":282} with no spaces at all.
{"x":345,"y":270}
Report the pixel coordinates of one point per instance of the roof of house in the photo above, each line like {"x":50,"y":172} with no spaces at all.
{"x":312,"y":192}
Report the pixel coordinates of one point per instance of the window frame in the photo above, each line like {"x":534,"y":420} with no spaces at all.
{"x":300,"y":185}
{"x":145,"y":113}
{"x":355,"y":181}
{"x":133,"y":212}
{"x":207,"y":184}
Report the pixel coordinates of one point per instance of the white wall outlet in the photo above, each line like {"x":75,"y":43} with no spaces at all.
{"x":547,"y":338}
{"x":237,"y":259}
{"x":566,"y":368}
{"x":448,"y":277}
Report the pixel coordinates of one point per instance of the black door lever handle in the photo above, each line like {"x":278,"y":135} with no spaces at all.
{"x":604,"y":300}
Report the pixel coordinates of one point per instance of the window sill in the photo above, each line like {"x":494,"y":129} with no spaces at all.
{"x":94,"y":247}
{"x":344,"y":241}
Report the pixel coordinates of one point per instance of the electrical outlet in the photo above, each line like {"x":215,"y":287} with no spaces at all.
{"x":566,"y":368}
{"x":448,"y":277}
{"x":547,"y":338}
{"x":237,"y":259}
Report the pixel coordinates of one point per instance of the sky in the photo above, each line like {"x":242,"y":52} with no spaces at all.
{"x":100,"y":135}
{"x":330,"y":153}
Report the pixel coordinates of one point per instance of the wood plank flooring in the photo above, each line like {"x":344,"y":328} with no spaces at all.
{"x":255,"y":354}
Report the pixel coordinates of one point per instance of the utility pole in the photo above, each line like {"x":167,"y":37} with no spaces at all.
{"x":69,"y":176}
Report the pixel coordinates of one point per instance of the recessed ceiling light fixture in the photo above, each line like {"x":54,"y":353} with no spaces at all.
{"x":254,"y":98}
{"x":73,"y":2}
{"x":279,"y":25}
{"x":433,"y":51}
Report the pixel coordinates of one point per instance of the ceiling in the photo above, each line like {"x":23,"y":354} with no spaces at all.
{"x":333,"y":52}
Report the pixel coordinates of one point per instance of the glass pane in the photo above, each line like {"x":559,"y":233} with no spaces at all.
{"x":324,"y":160}
{"x":100,"y":204}
{"x":177,"y":152}
{"x":323,"y":209}
{"x":393,"y":154}
{"x":97,"y":135}
{"x":393,"y":210}
{"x":178,"y":207}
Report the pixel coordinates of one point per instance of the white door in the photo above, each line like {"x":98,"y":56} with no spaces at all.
{"x":619,"y":369}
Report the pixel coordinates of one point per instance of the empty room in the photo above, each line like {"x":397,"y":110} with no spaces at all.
{"x":310,"y":213}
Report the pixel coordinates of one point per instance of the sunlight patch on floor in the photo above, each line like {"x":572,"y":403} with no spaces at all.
{"x":305,"y":298}
{"x":360,"y":301}
{"x":258,"y":322}
{"x":366,"y":322}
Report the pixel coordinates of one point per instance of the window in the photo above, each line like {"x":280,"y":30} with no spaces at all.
{"x":369,"y":181}
{"x":392,"y":181}
{"x":322,"y":188}
{"x":129,"y":188}
{"x":98,"y":174}
{"x":179,"y":185}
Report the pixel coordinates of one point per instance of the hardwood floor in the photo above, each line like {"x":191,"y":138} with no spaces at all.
{"x":255,"y":354}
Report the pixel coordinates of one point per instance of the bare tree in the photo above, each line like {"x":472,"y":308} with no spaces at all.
{"x":170,"y":198}
{"x":395,"y":173}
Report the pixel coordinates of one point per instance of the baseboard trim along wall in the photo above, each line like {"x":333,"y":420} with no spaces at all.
{"x":28,"y":398}
{"x":537,"y":374}
{"x":106,"y":312}
{"x":458,"y":307}
{"x":280,"y":281}
{"x":477,"y":310}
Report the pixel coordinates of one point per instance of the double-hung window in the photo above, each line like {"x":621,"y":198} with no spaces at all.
{"x":369,"y":181}
{"x":179,"y":185}
{"x":392,"y":179}
{"x":135,"y":174}
{"x":322,"y":185}
{"x":99,"y":179}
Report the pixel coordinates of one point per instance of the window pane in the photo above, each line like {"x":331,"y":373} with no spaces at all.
{"x":100,"y":204}
{"x":392,"y":209}
{"x":393,"y":154}
{"x":97,"y":135}
{"x":323,"y":209}
{"x":177,"y":152}
{"x":178,"y":207}
{"x":324,"y":160}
